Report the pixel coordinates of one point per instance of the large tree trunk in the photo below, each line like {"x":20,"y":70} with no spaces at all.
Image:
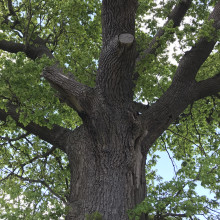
{"x":107,"y":165}
{"x":107,"y":153}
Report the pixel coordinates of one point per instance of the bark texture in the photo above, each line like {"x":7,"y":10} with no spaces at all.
{"x":107,"y":153}
{"x":107,"y":168}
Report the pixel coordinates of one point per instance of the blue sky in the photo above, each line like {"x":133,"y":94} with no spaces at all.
{"x":165,"y":169}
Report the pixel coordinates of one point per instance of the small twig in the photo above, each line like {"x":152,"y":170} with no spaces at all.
{"x":50,"y":151}
{"x":160,"y":86}
{"x":42,"y":182}
{"x":15,"y":139}
{"x":29,"y":17}
{"x":199,"y":139}
{"x":174,"y":215}
{"x":204,"y":216}
{"x":182,"y":137}
{"x":174,"y":166}
{"x":212,"y":210}
{"x":5,"y":178}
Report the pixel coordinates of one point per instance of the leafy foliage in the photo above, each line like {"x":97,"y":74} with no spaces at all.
{"x":34,"y":176}
{"x":193,"y":140}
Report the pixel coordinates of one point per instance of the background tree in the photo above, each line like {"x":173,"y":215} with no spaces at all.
{"x":79,"y":143}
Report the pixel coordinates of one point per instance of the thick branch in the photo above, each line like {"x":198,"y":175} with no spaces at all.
{"x":166,"y":110}
{"x":75,"y":94}
{"x":176,"y":15}
{"x":32,"y":52}
{"x":184,"y":89}
{"x":215,"y":15}
{"x":36,"y":50}
{"x":56,"y":136}
{"x":71,"y":90}
{"x":208,"y":87}
{"x":11,"y":47}
{"x":193,"y":59}
{"x":174,"y":101}
{"x":116,"y":64}
{"x":139,"y":107}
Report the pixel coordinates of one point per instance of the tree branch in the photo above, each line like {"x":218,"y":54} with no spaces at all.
{"x":15,"y":139}
{"x":55,"y":136}
{"x":10,"y":8}
{"x":31,"y":51}
{"x":8,"y":176}
{"x":70,"y":90}
{"x":193,"y":59}
{"x":49,"y":152}
{"x":11,"y":47}
{"x":176,"y":15}
{"x":75,"y":94}
{"x":42,"y":182}
{"x":184,"y":89}
{"x":167,"y":109}
{"x":174,"y":215}
{"x":215,"y":15}
{"x":12,"y":12}
{"x":139,"y":107}
{"x":208,"y":87}
{"x":168,"y":153}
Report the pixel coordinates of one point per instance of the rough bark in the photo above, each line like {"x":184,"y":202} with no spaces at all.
{"x":110,"y":153}
{"x":32,"y":51}
{"x":117,"y":59}
{"x":114,"y":140}
{"x":107,"y":153}
{"x":107,"y":166}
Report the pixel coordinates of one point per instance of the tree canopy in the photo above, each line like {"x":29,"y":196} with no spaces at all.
{"x":170,"y":36}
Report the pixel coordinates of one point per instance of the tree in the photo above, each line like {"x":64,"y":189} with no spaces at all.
{"x":74,"y":134}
